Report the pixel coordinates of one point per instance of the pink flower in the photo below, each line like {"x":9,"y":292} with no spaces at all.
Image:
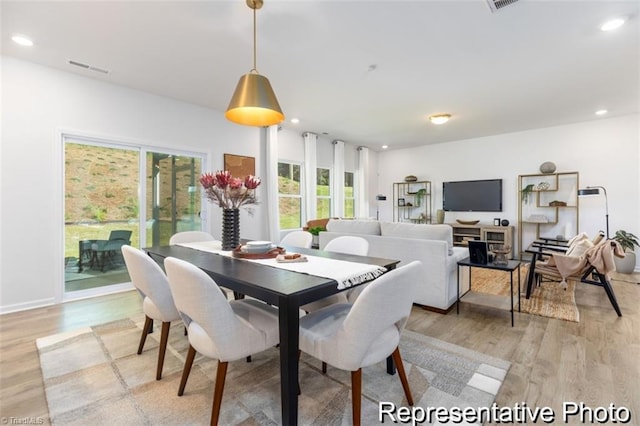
{"x":251,"y":182}
{"x":235,"y":183}
{"x":223,"y":178}
{"x":229,"y":192}
{"x":207,"y":180}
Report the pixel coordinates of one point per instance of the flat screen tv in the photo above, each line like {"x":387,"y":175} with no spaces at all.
{"x":472,"y":196}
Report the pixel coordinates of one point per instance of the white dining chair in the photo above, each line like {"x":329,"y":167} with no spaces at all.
{"x":219,"y":329}
{"x":190,"y":237}
{"x":354,"y":336}
{"x":302,"y":239}
{"x":348,"y":245}
{"x":157,"y":304}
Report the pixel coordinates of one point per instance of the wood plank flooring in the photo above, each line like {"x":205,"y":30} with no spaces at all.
{"x":595,"y":361}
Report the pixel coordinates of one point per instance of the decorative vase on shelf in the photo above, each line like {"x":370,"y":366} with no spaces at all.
{"x":547,"y":167}
{"x":230,"y":228}
{"x":440,"y":216}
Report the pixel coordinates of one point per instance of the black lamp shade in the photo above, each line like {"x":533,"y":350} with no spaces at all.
{"x":588,"y":191}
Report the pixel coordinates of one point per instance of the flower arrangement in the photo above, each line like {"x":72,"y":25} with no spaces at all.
{"x":230,"y":192}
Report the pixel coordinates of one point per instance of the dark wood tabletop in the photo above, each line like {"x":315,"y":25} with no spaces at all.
{"x":279,"y":287}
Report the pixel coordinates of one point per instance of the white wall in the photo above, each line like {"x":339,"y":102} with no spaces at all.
{"x":605,"y":152}
{"x":39,"y":102}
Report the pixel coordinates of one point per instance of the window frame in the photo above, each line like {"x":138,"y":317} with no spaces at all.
{"x":299,"y":196}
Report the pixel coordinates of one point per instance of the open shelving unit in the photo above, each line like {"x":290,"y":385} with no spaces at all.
{"x":549,"y":209}
{"x":412,"y":202}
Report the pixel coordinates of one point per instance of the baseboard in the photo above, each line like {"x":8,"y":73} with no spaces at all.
{"x":33,"y":304}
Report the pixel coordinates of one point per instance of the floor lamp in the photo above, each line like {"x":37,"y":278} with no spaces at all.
{"x":379,"y":198}
{"x":595,"y":190}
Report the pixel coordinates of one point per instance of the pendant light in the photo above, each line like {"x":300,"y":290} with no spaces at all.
{"x":254,"y":103}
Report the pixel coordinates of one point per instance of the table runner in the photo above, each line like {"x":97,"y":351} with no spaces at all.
{"x":344,"y":272}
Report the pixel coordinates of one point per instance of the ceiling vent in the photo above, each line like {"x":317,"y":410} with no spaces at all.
{"x":496,"y":5}
{"x":88,"y":67}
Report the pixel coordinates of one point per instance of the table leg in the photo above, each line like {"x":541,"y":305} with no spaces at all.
{"x":519,"y":304}
{"x":391,"y":367}
{"x":531,"y":274}
{"x":289,"y":323}
{"x":458,"y":299}
{"x":511,"y":296}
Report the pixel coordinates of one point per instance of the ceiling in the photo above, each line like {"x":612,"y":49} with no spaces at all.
{"x":366,"y":72}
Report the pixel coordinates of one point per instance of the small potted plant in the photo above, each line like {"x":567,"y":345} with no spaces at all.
{"x":627,"y":241}
{"x":315,"y":231}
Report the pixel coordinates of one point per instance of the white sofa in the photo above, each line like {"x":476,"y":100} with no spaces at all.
{"x":430,"y":244}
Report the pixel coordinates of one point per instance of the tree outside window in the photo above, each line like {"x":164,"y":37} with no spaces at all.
{"x":323,"y":192}
{"x":349,"y":195}
{"x":289,"y":195}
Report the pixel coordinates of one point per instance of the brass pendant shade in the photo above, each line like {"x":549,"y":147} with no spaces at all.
{"x":254,"y":103}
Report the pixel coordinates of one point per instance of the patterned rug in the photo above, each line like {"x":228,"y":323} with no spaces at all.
{"x":93,"y":376}
{"x":548,"y":300}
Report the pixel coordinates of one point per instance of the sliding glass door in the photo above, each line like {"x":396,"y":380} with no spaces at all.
{"x":172,"y":196}
{"x":120,"y":194}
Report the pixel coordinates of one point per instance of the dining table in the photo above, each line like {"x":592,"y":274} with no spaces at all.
{"x":287,"y":290}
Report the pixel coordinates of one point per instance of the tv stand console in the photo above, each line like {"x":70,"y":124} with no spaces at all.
{"x":462,"y":234}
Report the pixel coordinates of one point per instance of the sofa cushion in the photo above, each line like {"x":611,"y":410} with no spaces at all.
{"x":367,"y":227}
{"x":421,"y":231}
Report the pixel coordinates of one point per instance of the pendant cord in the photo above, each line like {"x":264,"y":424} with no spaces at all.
{"x":254,"y":40}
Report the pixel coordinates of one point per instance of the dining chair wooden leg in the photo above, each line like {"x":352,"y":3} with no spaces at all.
{"x":356,"y":395}
{"x":324,"y":367}
{"x":397,"y":359}
{"x":221,"y":374}
{"x":164,"y":336}
{"x":148,"y":324}
{"x":187,"y":369}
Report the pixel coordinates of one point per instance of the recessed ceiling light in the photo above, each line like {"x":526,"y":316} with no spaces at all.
{"x":601,"y":112}
{"x":612,"y":24}
{"x":385,"y":146}
{"x":22,"y":40}
{"x":295,"y":120}
{"x":439,"y":118}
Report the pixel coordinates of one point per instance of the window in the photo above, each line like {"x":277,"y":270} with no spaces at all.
{"x":323,"y":192}
{"x":289,"y":195}
{"x":113,"y":190}
{"x":349,"y":195}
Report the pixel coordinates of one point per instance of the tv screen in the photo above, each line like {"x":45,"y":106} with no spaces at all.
{"x":472,"y":196}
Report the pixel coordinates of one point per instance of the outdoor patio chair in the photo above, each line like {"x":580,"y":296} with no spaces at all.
{"x":107,"y":250}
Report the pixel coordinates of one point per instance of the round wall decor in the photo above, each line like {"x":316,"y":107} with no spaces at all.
{"x":505,"y":222}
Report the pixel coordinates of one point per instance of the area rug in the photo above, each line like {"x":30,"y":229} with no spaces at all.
{"x":547,"y":300}
{"x":93,"y":376}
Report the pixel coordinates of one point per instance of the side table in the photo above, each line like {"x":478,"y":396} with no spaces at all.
{"x":490,"y":300}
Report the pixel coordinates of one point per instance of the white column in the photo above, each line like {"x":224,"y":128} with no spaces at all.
{"x":271,"y":183}
{"x":310,"y":169}
{"x":337,"y":207}
{"x":362,"y":188}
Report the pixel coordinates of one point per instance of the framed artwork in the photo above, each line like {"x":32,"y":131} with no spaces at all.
{"x":239,"y":165}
